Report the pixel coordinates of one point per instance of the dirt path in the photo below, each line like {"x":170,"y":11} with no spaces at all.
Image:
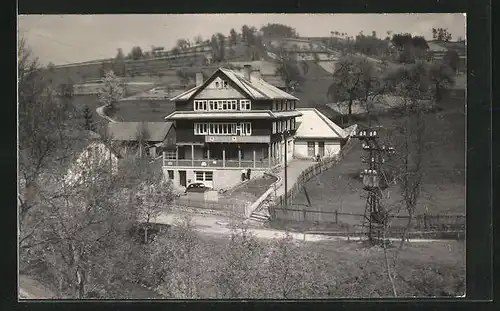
{"x":225,"y":226}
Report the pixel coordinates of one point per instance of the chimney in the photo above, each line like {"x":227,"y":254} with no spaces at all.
{"x":247,"y":69}
{"x":257,"y":74}
{"x":199,"y":78}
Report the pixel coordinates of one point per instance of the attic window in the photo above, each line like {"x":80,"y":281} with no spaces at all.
{"x":225,"y":83}
{"x":216,"y":84}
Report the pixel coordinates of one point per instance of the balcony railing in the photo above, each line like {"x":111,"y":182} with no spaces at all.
{"x":218,"y":163}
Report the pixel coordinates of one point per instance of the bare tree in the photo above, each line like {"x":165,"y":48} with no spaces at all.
{"x":410,"y":140}
{"x":154,"y":194}
{"x":237,"y":274}
{"x":44,"y":121}
{"x":289,"y":274}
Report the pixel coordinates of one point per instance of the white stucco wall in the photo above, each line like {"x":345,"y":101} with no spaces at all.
{"x":222,"y":178}
{"x":300,"y":151}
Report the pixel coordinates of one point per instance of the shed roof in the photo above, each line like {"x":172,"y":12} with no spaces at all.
{"x":127,"y":131}
{"x":313,"y":123}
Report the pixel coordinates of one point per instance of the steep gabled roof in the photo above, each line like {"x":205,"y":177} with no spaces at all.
{"x":127,"y":131}
{"x":256,"y":88}
{"x":315,"y":124}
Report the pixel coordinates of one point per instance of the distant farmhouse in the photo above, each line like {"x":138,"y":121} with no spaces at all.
{"x":438,"y":49}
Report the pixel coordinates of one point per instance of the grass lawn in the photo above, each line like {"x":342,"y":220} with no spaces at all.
{"x":443,"y":192}
{"x":252,"y":190}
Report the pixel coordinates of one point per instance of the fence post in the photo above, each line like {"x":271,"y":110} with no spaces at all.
{"x":336,"y":217}
{"x":425,"y":221}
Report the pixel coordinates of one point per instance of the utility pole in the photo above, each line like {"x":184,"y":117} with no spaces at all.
{"x":285,"y":135}
{"x":374,"y":215}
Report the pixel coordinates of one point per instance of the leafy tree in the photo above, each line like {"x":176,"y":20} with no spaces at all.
{"x":278,"y":30}
{"x":136,"y":53}
{"x":198,"y":39}
{"x":451,"y":59}
{"x":441,"y":75}
{"x":233,"y":37}
{"x":119,"y":66}
{"x":350,"y":80}
{"x":88,"y":119}
{"x":248,"y":34}
{"x":182,"y":44}
{"x":441,"y":34}
{"x":410,"y":48}
{"x":112,"y":90}
{"x":176,"y":51}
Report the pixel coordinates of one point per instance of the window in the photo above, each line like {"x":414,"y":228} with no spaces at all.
{"x":275,"y":105}
{"x":246,"y":128}
{"x":209,"y":176}
{"x":200,"y":105}
{"x":245,"y":104}
{"x":170,"y":155}
{"x":279,"y":126}
{"x":200,"y":129}
{"x":274,"y":127}
{"x":216,"y":84}
{"x":170,"y":174}
{"x":225,"y":83}
{"x":203,"y":175}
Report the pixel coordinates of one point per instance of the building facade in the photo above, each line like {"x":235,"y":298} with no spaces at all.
{"x":231,"y":122}
{"x":317,"y":135}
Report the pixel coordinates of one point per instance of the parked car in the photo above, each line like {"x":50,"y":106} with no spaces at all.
{"x":196,"y":187}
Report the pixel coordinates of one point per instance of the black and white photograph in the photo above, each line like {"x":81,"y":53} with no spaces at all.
{"x":241,"y":156}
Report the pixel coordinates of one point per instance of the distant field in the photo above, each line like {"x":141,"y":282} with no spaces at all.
{"x":444,"y":181}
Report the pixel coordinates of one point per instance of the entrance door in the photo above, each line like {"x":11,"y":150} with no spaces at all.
{"x":310,"y":149}
{"x":321,"y":148}
{"x":182,"y":178}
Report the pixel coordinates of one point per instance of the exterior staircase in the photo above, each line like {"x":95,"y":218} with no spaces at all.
{"x":261,"y":214}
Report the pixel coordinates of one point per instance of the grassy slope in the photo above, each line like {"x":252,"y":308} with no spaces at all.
{"x":431,"y":269}
{"x":444,"y":181}
{"x":252,"y":190}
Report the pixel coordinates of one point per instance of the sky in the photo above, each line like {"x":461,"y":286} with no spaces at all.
{"x":63,"y":39}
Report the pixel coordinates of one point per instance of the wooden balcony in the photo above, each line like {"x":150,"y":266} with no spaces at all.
{"x":219,"y":163}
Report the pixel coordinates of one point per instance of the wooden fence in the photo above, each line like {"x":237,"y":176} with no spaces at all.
{"x":311,"y":172}
{"x":419,"y":222}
